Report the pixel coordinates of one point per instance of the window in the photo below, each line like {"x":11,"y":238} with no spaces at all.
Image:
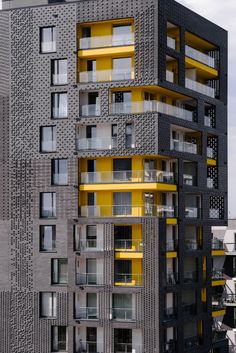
{"x":59,"y":271}
{"x":122,"y":69}
{"x":122,"y":203}
{"x":59,"y":172}
{"x":48,"y":304}
{"x":59,"y":105}
{"x":91,"y":236}
{"x":122,"y":35}
{"x":123,"y":271}
{"x":123,"y":338}
{"x":48,"y":39}
{"x":47,"y":238}
{"x":129,"y":135}
{"x":47,"y":204}
{"x":123,"y":237}
{"x":48,"y":137}
{"x":59,"y":339}
{"x":59,"y":72}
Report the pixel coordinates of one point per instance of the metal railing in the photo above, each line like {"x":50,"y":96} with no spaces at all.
{"x":151,"y":106}
{"x":171,"y":42}
{"x":128,"y":176}
{"x":123,"y":314}
{"x":86,"y":313}
{"x":172,"y":278}
{"x":129,"y":279}
{"x":90,"y":279}
{"x":106,"y":75}
{"x":107,"y":41}
{"x":85,"y":245}
{"x":129,"y":245}
{"x":199,"y":87}
{"x":199,"y":56}
{"x":182,"y":146}
{"x":99,"y":143}
{"x":192,"y":212}
{"x":161,"y":211}
{"x":90,"y":110}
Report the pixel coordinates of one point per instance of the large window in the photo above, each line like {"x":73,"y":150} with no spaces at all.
{"x":59,"y":339}
{"x":122,"y":307}
{"x":59,"y":72}
{"x":48,"y":304}
{"x":48,"y":142}
{"x":59,"y":172}
{"x":48,"y":39}
{"x":129,"y":138}
{"x":122,"y":69}
{"x":122,"y":35}
{"x":47,"y":238}
{"x":47,"y":204}
{"x":122,"y":203}
{"x":59,"y":271}
{"x":59,"y":105}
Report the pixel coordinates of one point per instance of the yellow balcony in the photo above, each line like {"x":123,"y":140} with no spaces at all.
{"x":128,"y":279}
{"x":162,"y":211}
{"x":128,"y":249}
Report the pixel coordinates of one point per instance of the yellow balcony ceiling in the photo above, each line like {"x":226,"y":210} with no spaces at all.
{"x":116,"y":51}
{"x":129,"y":186}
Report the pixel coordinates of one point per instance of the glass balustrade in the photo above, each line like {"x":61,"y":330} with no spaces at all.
{"x":200,"y":87}
{"x":199,"y":56}
{"x":107,"y":41}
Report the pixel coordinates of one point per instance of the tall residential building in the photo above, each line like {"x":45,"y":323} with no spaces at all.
{"x":113,"y":170}
{"x":225,"y":237}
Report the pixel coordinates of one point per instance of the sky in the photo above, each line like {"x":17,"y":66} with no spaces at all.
{"x":223,"y":13}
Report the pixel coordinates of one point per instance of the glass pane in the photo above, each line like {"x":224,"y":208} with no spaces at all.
{"x":48,"y":139}
{"x":47,"y":238}
{"x":48,"y":39}
{"x":59,"y":72}
{"x":122,"y":64}
{"x":59,"y":107}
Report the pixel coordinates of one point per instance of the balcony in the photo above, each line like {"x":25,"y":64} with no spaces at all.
{"x":107,"y":41}
{"x":134,"y":245}
{"x":191,"y":244}
{"x":90,"y":110}
{"x":127,"y":348}
{"x":190,"y":276}
{"x":129,"y":176}
{"x":128,"y":279}
{"x":199,"y":87}
{"x":99,"y":143}
{"x":106,"y":75}
{"x":123,"y":314}
{"x":151,"y":106}
{"x":192,"y":212}
{"x":89,"y":346}
{"x":199,"y":56}
{"x":172,"y":278}
{"x":89,"y":279}
{"x":85,"y":245}
{"x":191,"y":342}
{"x":171,"y":245}
{"x":218,"y":273}
{"x":86,"y":314}
{"x":182,"y":146}
{"x":161,"y":211}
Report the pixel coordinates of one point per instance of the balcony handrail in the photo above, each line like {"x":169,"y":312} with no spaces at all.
{"x":126,"y":314}
{"x":90,"y":245}
{"x":161,"y":211}
{"x":191,"y":244}
{"x":129,"y":176}
{"x":89,"y":278}
{"x":171,"y":245}
{"x":192,"y":212}
{"x":184,"y":146}
{"x":106,"y":75}
{"x":135,"y":279}
{"x":107,"y":41}
{"x":140,"y":107}
{"x":200,"y":87}
{"x":86,"y":313}
{"x":96,"y":143}
{"x":127,"y":347}
{"x":218,"y":273}
{"x":84,"y":346}
{"x":199,"y":56}
{"x":130,"y":245}
{"x":90,"y":110}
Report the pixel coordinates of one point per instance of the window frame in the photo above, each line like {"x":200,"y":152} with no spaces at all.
{"x":53,"y":306}
{"x":41,"y":204}
{"x":40,"y":39}
{"x":41,"y":226}
{"x":53,"y":169}
{"x":54,"y":130}
{"x":53,"y":94}
{"x":53,"y":61}
{"x":54,"y":328}
{"x":55,"y":264}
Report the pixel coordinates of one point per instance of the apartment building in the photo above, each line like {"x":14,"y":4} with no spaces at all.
{"x":113,"y":171}
{"x":225,"y":237}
